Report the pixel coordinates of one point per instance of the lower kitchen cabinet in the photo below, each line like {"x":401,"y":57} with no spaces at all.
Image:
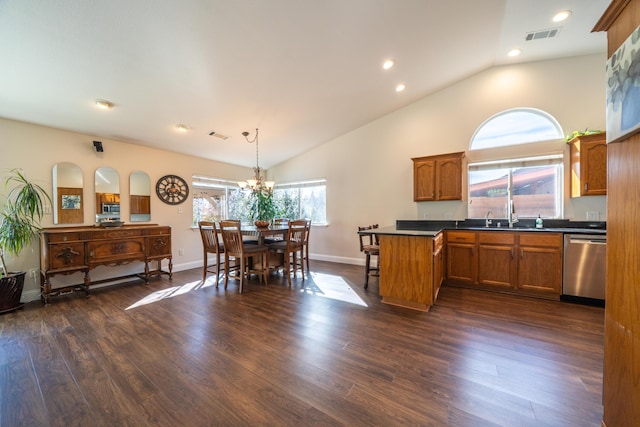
{"x":496,"y":259}
{"x":528,"y":262}
{"x":462,"y":264}
{"x":540,"y":262}
{"x":410,"y":275}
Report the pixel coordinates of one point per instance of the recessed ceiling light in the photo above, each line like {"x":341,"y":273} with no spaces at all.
{"x":104,"y":104}
{"x":182,"y":128}
{"x":389,"y":63}
{"x":514,"y":52}
{"x":400,"y":87}
{"x":561,"y":16}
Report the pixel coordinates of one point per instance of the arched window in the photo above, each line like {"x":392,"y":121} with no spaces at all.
{"x":516,"y":126}
{"x":528,"y":187}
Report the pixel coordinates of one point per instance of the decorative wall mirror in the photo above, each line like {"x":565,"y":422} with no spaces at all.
{"x":107,"y":185}
{"x":139,"y":196}
{"x":68,"y":206}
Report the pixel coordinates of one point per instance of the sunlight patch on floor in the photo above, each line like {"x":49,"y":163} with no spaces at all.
{"x":334,"y":287}
{"x":172,"y":292}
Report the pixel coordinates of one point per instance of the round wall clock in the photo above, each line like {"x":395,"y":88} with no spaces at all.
{"x":172,"y":189}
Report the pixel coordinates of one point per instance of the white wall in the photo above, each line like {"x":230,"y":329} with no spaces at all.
{"x":369,"y":170}
{"x":36,"y":149}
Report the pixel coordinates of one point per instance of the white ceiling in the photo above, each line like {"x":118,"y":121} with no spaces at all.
{"x":303,"y":71}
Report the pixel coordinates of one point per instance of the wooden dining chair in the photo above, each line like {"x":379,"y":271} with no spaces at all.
{"x":291,"y":247}
{"x":211,"y":244}
{"x":305,"y":249}
{"x":370,"y":246}
{"x":277,"y":222}
{"x":235,"y":248}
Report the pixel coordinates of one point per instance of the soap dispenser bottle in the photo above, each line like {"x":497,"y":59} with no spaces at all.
{"x":539,"y":222}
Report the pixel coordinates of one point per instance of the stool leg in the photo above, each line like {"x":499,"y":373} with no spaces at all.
{"x":366,"y":270}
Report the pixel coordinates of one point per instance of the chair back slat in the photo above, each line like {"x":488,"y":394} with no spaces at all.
{"x":371,"y":239}
{"x":297,"y":232}
{"x":208,"y":235}
{"x":231,"y":236}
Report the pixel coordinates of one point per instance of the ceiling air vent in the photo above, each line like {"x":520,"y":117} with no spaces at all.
{"x":542,"y":34}
{"x":218,"y":135}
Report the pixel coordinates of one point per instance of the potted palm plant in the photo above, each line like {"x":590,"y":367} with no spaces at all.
{"x":263,"y":208}
{"x":19,"y":224}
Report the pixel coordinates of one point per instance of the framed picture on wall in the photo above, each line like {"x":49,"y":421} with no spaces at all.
{"x":70,"y":201}
{"x":623,"y":89}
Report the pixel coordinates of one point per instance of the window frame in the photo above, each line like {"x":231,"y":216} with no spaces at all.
{"x":201,"y":181}
{"x":505,"y":139}
{"x":510,"y":165}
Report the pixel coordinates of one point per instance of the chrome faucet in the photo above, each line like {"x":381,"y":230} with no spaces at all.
{"x":512,"y":216}
{"x":487,"y":221}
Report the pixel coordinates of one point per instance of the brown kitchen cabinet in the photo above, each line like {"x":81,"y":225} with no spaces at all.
{"x":438,"y":177}
{"x":540,"y":262}
{"x":588,"y":165}
{"x":410,"y":270}
{"x":526,"y":262}
{"x":438,"y":263}
{"x":140,"y":204}
{"x":497,"y":259}
{"x":462,"y":264}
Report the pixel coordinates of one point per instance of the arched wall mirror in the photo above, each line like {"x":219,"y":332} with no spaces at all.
{"x":68,"y":206}
{"x":139,"y":196}
{"x":107,"y":185}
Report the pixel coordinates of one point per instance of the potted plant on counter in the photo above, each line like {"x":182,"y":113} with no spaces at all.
{"x":19,"y":224}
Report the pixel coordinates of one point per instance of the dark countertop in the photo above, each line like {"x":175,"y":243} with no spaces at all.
{"x":432,"y":228}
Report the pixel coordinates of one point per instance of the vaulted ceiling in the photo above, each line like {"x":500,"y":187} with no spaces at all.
{"x":302,"y":71}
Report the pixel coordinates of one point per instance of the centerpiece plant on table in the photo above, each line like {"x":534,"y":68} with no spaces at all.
{"x":263,"y":208}
{"x":19,"y":224}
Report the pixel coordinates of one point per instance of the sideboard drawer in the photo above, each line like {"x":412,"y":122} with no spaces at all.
{"x":65,"y":256}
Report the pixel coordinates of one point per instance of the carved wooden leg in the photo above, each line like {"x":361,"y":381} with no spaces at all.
{"x":45,"y":288}
{"x":170,"y":267}
{"x":87,"y":282}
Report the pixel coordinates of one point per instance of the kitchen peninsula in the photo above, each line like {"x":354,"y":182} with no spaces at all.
{"x":417,"y":256}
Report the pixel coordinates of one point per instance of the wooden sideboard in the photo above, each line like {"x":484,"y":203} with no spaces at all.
{"x":68,"y":250}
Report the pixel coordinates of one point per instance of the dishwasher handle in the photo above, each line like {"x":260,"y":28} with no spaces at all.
{"x":592,"y":240}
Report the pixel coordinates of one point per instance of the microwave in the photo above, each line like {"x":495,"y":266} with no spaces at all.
{"x":111,"y":208}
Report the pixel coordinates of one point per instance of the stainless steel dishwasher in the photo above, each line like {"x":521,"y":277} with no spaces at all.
{"x":584,"y":266}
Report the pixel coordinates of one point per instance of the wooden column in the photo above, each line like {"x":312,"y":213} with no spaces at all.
{"x":621,"y":393}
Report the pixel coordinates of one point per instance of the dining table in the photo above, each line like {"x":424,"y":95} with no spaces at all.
{"x":275,"y":260}
{"x":273,"y":231}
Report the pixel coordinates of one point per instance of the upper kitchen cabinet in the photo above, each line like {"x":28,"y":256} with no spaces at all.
{"x":589,"y":165}
{"x":438,"y":177}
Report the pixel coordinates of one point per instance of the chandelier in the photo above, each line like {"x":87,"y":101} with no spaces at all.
{"x":256,"y":184}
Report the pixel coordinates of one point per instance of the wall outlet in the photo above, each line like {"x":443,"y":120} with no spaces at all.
{"x":593,"y":216}
{"x":448,"y":215}
{"x":33,"y":273}
{"x":426,"y":215}
{"x":181,"y":252}
{"x":180,"y":210}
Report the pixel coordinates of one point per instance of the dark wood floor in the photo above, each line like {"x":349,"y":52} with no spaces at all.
{"x":179,"y":353}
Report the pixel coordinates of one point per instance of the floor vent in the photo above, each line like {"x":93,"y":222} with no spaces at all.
{"x":542,"y":34}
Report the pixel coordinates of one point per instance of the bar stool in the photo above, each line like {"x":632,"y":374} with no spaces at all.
{"x":370,"y":246}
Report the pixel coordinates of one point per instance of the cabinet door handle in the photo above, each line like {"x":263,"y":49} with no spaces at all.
{"x":586,"y":186}
{"x":433,"y":194}
{"x":511,"y":253}
{"x":521,"y":253}
{"x":473,"y":251}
